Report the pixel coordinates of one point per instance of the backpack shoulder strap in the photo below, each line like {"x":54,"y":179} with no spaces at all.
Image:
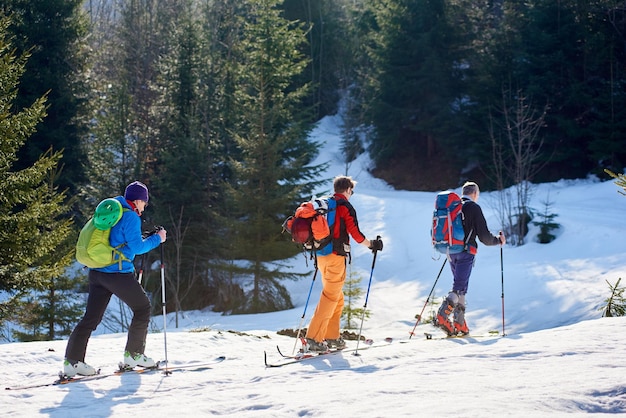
{"x":117,"y":249}
{"x":470,"y":248}
{"x":332,"y":210}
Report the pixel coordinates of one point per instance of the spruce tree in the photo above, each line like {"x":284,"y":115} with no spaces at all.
{"x":563,"y":55}
{"x":34,"y":227}
{"x":413,"y":82}
{"x":53,"y":32}
{"x":620,"y":181}
{"x":274,"y":172}
{"x":616,"y":303}
{"x":187,"y":203}
{"x":49,"y":314}
{"x":353,"y":293}
{"x":327,"y":50}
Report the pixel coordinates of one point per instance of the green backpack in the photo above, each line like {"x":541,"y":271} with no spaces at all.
{"x":93,"y":248}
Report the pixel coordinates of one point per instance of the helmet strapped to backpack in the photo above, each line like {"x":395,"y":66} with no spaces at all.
{"x":108,"y":213}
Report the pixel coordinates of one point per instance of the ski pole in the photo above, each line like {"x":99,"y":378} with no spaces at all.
{"x":419,"y":317}
{"x":167,"y":372}
{"x":502,"y":281}
{"x":305,"y":305}
{"x":356,"y":351}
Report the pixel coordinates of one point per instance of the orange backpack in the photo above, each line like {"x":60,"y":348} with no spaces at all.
{"x":309,"y":224}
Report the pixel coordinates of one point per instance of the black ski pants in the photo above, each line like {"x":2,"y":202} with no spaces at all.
{"x":101,"y":286}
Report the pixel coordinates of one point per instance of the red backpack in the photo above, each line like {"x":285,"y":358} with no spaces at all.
{"x":448,"y":236}
{"x":309,"y":224}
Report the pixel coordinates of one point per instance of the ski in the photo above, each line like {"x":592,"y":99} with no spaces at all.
{"x":163,"y":367}
{"x":301,"y":357}
{"x":192,"y":366}
{"x":430,"y":336}
{"x":64,"y":380}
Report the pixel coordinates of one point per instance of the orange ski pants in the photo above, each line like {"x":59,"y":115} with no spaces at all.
{"x":326,"y":320}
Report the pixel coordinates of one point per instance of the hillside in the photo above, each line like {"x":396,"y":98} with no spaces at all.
{"x":558,"y":356}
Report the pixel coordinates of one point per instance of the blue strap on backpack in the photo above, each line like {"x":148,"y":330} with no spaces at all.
{"x":330,"y":218}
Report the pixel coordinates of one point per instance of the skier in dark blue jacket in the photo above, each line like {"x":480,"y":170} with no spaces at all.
{"x":474,"y":225}
{"x":118,"y":279}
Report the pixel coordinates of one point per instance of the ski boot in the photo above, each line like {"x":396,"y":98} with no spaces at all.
{"x":461,"y":330}
{"x":338,"y":344}
{"x":460,"y":326}
{"x":443,"y":323}
{"x":442,"y":320}
{"x":72,"y":368}
{"x":311,"y":346}
{"x":137,"y":359}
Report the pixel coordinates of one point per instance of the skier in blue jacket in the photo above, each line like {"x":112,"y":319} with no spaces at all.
{"x":119,"y":280}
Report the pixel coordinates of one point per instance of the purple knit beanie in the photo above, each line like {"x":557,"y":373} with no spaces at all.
{"x":136,"y":191}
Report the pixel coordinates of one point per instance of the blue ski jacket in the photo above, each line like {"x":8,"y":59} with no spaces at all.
{"x":128,"y":232}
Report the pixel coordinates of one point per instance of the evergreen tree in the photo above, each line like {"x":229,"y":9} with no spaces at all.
{"x":414,"y":81}
{"x":547,"y":223}
{"x":620,"y":181}
{"x":220,"y":55}
{"x":125,"y":139}
{"x":327,"y":50}
{"x":53,"y":33}
{"x":616,"y":303}
{"x":274,"y":172}
{"x":33,"y":220}
{"x":353,"y":293}
{"x":561,"y":54}
{"x":188,"y":184}
{"x":50,"y":314}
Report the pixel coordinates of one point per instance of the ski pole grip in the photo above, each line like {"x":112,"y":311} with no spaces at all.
{"x":379,"y":244}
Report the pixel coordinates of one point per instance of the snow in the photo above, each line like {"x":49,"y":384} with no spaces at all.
{"x":559,"y":356}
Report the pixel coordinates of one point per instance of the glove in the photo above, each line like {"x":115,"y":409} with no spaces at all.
{"x":376,"y":245}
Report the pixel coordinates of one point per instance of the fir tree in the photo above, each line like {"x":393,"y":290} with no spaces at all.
{"x":620,"y":181}
{"x":353,"y":293}
{"x":616,"y":303}
{"x":53,"y":32}
{"x":34,"y":227}
{"x":49,"y":314}
{"x":274,"y":170}
{"x":546,"y":224}
{"x":413,"y":80}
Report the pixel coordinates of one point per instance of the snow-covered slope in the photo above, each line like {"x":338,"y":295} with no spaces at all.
{"x":559,"y":355}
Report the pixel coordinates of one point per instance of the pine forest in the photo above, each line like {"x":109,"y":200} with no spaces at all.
{"x":210,"y":103}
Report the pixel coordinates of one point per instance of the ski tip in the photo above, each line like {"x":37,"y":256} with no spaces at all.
{"x":428,"y":335}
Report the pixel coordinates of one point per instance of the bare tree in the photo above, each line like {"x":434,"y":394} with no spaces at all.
{"x":181,"y":286}
{"x":516,"y":148}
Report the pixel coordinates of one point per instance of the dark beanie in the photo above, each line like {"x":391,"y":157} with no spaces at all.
{"x":136,"y":191}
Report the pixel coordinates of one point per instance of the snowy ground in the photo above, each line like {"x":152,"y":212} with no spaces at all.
{"x":558,"y":357}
